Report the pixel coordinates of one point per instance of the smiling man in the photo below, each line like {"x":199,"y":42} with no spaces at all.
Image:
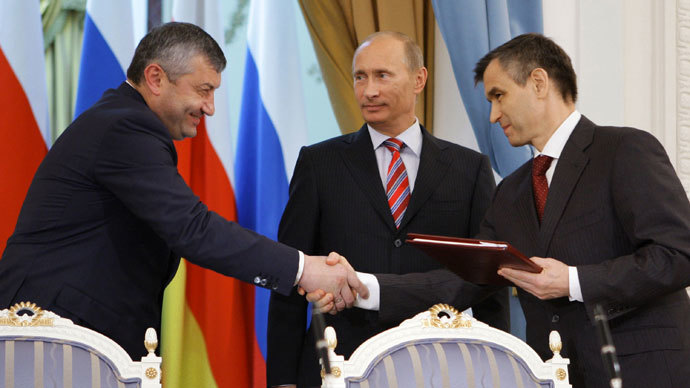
{"x":360,"y":194}
{"x":107,"y":216}
{"x":602,"y":211}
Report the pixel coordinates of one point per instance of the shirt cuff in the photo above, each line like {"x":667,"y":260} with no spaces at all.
{"x":574,"y":286}
{"x":371,"y":303}
{"x":300,"y":267}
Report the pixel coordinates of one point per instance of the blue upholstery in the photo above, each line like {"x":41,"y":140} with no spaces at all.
{"x":45,"y":362}
{"x":446,"y":363}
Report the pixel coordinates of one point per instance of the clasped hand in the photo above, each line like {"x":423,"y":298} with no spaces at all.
{"x":332,"y":278}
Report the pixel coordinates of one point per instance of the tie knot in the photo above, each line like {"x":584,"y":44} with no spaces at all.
{"x":393,"y":144}
{"x":540,"y":164}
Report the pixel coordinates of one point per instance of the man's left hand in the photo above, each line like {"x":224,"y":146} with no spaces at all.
{"x":552,"y":282}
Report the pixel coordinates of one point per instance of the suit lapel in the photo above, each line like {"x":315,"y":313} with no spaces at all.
{"x":432,"y":168}
{"x":568,"y":170}
{"x":360,"y":160}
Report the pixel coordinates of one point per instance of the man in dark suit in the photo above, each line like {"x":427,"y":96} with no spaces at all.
{"x":345,"y":197}
{"x":107,"y":215}
{"x":605,"y":216}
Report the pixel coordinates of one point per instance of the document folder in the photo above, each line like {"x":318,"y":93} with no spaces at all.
{"x":476,"y":261}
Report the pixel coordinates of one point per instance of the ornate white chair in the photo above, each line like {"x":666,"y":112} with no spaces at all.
{"x":39,"y":348}
{"x":444,"y":348}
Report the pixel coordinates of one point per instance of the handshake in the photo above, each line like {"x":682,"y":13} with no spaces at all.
{"x":330,"y":283}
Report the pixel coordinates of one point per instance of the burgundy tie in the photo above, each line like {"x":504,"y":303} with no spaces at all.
{"x":397,"y":185}
{"x":541,"y":187}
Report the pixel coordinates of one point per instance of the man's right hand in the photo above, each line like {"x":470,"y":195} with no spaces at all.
{"x":340,"y":279}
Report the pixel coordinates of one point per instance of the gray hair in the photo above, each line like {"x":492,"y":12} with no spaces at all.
{"x":171,"y":46}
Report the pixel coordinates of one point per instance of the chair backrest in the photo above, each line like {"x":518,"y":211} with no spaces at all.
{"x":444,"y":348}
{"x":39,"y":348}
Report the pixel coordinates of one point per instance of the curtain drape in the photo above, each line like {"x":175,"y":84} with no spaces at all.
{"x":470,"y":29}
{"x":63,"y":29}
{"x":337,"y":27}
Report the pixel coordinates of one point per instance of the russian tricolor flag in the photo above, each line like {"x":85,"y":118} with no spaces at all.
{"x":107,"y":50}
{"x":272,"y":128}
{"x":24,"y":113}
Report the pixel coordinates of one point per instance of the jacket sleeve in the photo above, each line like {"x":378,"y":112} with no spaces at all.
{"x":287,"y":315}
{"x":137,"y":165}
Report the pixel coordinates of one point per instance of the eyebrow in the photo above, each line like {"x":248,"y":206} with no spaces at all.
{"x":375,"y":71}
{"x":208,"y":85}
{"x":491,"y":93}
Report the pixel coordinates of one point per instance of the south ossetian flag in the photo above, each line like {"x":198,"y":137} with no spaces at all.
{"x":24,"y":113}
{"x":208,"y":333}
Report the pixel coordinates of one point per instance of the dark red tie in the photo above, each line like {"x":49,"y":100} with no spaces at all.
{"x":397,"y":184}
{"x":541,"y":187}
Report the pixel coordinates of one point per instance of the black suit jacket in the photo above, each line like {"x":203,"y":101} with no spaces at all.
{"x":617,"y":211}
{"x":338,"y":203}
{"x":106,"y":219}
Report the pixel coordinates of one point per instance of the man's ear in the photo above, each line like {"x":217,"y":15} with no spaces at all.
{"x":154,"y":77}
{"x":420,"y":79}
{"x":540,"y":81}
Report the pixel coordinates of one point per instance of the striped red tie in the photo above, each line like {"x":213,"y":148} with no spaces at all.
{"x":397,"y":185}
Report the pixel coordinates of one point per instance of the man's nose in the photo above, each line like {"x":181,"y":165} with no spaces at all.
{"x":208,"y":107}
{"x":495,"y":113}
{"x":371,"y":89}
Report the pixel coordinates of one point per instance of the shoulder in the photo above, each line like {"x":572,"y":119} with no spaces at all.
{"x":624,"y":140}
{"x":455,"y":148}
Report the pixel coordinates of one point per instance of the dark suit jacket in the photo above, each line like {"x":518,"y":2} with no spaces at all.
{"x":107,"y":218}
{"x":338,"y":203}
{"x":617,"y":211}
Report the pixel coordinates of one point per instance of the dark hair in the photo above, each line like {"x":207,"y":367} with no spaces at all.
{"x":524,"y":53}
{"x":171,"y":45}
{"x":414,"y":59}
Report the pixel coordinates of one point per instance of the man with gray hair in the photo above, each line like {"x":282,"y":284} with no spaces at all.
{"x":391,"y":178}
{"x":108,"y":216}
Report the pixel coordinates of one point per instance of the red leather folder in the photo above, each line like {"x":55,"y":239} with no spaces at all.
{"x":476,"y":261}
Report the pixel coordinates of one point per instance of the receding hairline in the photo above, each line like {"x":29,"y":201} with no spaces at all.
{"x":412,"y":53}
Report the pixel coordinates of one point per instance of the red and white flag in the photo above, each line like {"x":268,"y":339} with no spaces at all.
{"x":24,"y":112}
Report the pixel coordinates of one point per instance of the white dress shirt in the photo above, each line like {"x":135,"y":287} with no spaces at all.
{"x":412,"y":137}
{"x":553,"y":148}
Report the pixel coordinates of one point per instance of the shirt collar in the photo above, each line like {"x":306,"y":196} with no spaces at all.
{"x":412,"y":137}
{"x":554,"y":146}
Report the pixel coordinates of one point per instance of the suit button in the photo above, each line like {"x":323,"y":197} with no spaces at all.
{"x":398,"y":243}
{"x":555,"y":318}
{"x":274,"y":287}
{"x":257,"y":280}
{"x":263,"y":282}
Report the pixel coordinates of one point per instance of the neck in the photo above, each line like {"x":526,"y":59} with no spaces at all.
{"x":393,"y":130}
{"x":555,"y":116}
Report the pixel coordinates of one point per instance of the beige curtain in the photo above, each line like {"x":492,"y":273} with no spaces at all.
{"x":63,"y":29}
{"x":337,"y":27}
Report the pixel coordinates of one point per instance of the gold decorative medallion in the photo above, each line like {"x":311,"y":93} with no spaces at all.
{"x":560,"y":374}
{"x":455,"y":319}
{"x":335,"y":371}
{"x":151,"y":373}
{"x":33,"y":316}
